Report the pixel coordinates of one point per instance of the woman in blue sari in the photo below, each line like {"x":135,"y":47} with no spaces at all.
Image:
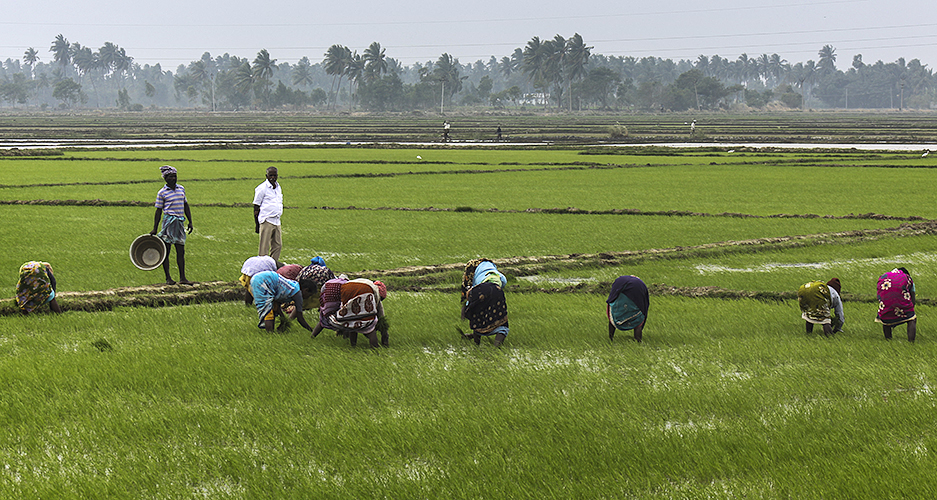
{"x":627,"y":307}
{"x":269,"y":291}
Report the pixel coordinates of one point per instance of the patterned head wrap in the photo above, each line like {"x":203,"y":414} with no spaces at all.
{"x":382,"y":289}
{"x":290,"y":271}
{"x":166,"y":170}
{"x":314,"y":276}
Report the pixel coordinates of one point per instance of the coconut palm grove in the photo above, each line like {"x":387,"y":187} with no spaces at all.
{"x":558,"y":73}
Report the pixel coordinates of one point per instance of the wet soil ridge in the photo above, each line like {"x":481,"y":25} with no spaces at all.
{"x":534,"y":265}
{"x":567,"y":210}
{"x":533,"y":167}
{"x":444,"y":278}
{"x":142,"y":296}
{"x":113,"y":203}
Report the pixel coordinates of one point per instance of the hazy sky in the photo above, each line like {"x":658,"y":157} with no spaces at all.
{"x":173,"y":32}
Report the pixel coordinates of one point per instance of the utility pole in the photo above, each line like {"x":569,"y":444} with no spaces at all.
{"x":901,"y":102}
{"x":442,"y":96}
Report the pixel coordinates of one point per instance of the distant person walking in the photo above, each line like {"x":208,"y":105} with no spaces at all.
{"x":173,"y":209}
{"x":499,"y":132}
{"x":445,"y":131}
{"x":268,"y":207}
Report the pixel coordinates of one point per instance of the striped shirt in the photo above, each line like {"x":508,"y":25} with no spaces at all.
{"x":172,"y":201}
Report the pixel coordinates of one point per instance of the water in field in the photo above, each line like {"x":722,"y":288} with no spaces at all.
{"x":170,"y":143}
{"x":919,"y":258}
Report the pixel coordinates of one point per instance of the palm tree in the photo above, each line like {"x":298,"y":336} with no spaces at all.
{"x":577,"y":56}
{"x":85,"y":62}
{"x":202,"y":76}
{"x":107,"y":55}
{"x":42,"y":81}
{"x":763,"y":65}
{"x":555,"y":66}
{"x":536,"y":63}
{"x":302,"y":73}
{"x":702,"y":64}
{"x":393,"y":66}
{"x":533,"y":62}
{"x":264,"y":66}
{"x":719,"y":67}
{"x":375,"y":64}
{"x":335,"y":59}
{"x":121,"y":63}
{"x":742,"y":68}
{"x":354,"y":70}
{"x":60,"y":52}
{"x":506,"y":67}
{"x":199,"y":71}
{"x":517,"y":58}
{"x":244,"y":78}
{"x":30,"y":57}
{"x":780,"y":69}
{"x":804,"y":75}
{"x":446,"y":71}
{"x":826,"y":63}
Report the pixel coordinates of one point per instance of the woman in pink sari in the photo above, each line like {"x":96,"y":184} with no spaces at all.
{"x":896,"y":302}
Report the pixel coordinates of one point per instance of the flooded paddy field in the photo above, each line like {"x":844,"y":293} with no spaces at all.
{"x":146,"y":390}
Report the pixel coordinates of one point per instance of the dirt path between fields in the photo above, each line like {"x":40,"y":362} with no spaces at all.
{"x":567,"y":210}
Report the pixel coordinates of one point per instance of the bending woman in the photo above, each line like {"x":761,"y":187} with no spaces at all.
{"x":483,"y":302}
{"x":36,"y":287}
{"x":311,"y":278}
{"x":820,"y":304}
{"x":270,"y":291}
{"x":353,"y":307}
{"x":896,"y":301}
{"x":627,"y":306}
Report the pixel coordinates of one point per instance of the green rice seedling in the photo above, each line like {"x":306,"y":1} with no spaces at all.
{"x":787,"y":190}
{"x":89,"y":246}
{"x":723,"y":397}
{"x":857,"y":263}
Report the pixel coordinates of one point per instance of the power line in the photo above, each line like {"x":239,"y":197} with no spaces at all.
{"x":439,"y":21}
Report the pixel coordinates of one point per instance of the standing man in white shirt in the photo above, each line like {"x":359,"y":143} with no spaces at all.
{"x":268,"y":207}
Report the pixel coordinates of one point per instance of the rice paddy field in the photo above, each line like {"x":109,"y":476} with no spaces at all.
{"x":143,"y":390}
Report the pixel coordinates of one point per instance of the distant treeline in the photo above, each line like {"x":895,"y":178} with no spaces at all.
{"x":554,"y":74}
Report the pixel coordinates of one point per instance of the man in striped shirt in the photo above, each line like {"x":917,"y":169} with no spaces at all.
{"x":173,"y":209}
